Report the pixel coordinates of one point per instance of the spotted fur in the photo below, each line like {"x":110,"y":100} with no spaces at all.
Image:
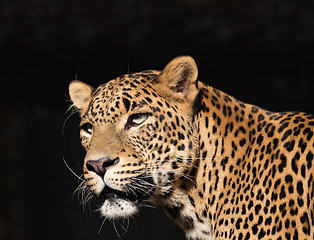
{"x":219,"y":168}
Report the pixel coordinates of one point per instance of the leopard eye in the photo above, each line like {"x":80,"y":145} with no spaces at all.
{"x":136,"y":120}
{"x":87,"y":128}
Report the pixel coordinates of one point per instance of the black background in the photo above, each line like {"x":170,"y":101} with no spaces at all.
{"x":259,"y":51}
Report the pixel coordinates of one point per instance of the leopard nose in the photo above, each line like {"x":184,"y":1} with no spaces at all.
{"x":101,"y":165}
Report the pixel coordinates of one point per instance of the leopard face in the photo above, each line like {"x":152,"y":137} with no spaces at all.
{"x":219,"y":168}
{"x":139,"y":140}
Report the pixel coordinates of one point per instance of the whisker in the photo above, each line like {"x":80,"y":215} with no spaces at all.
{"x":79,"y":187}
{"x":127,"y":227}
{"x":187,"y":164}
{"x":148,"y":206}
{"x":65,"y":121}
{"x":78,"y":69}
{"x":115,"y":228}
{"x":71,"y":170}
{"x":130,"y":189}
{"x":102,"y":224}
{"x":128,"y":68}
{"x":145,"y":85}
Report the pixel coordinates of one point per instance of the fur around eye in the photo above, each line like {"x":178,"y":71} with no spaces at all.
{"x":136,"y":119}
{"x":87,"y":128}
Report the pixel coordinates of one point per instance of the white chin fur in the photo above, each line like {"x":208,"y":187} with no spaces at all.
{"x":114,"y":208}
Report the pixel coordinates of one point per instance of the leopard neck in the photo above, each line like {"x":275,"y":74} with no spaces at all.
{"x":225,"y":130}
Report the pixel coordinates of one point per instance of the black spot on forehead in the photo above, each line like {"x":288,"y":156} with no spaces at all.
{"x":126,"y":103}
{"x":126,"y":88}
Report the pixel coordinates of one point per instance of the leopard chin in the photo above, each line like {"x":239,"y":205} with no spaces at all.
{"x":117,"y":208}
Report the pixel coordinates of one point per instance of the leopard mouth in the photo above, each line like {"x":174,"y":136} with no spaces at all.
{"x":131,"y":196}
{"x":110,"y":193}
{"x":133,"y":192}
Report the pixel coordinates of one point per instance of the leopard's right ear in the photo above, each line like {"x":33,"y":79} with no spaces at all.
{"x":81,"y":95}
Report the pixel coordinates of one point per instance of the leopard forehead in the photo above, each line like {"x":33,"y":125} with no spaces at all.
{"x":120,"y":95}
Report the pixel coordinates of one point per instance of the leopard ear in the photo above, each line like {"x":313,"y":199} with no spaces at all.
{"x":179,"y":77}
{"x":81,"y":95}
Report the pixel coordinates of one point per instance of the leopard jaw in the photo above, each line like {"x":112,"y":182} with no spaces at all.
{"x":116,"y":208}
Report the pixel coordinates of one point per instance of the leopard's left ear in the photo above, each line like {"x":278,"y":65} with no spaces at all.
{"x":179,"y":79}
{"x":81,"y":95}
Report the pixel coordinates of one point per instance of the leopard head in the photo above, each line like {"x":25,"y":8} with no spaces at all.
{"x":139,"y":135}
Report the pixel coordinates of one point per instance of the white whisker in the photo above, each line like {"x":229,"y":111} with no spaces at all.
{"x":102,"y":224}
{"x":65,"y":121}
{"x":115,"y":228}
{"x":71,"y":170}
{"x":125,"y":228}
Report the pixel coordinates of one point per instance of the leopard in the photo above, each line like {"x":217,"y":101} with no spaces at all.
{"x":216,"y":166}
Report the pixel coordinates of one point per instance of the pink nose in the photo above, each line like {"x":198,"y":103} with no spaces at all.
{"x":101,"y":165}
